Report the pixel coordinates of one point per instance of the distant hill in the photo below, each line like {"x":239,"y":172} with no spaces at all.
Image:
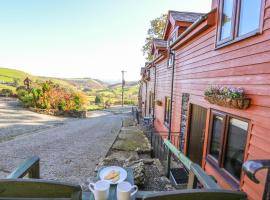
{"x":86,"y":83}
{"x":11,"y":77}
{"x":127,"y":84}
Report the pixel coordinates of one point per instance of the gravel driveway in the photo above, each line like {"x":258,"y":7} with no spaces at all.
{"x":69,"y":151}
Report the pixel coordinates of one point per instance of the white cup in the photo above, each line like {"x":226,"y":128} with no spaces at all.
{"x":124,"y":190}
{"x":100,"y":189}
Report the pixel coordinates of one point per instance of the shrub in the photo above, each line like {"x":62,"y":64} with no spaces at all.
{"x":129,"y":102}
{"x":6,"y":92}
{"x":21,"y":88}
{"x":28,"y":100}
{"x":98,"y":99}
{"x":50,"y":96}
{"x":108,"y":103}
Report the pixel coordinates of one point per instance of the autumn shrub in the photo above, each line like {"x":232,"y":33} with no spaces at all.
{"x":50,"y":96}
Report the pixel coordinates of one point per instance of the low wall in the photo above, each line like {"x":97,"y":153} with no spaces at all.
{"x":53,"y":112}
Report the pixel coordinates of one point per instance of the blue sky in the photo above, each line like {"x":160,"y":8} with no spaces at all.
{"x":81,"y":38}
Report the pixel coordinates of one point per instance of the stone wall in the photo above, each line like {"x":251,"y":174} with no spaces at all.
{"x":184,"y":118}
{"x":53,"y":112}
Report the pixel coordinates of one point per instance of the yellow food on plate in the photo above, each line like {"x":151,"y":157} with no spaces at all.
{"x":115,"y":179}
{"x":112,"y":175}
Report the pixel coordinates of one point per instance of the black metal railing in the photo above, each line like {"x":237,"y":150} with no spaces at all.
{"x":156,"y":140}
{"x":251,"y":167}
{"x":163,"y":147}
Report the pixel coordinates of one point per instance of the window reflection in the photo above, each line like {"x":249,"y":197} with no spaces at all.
{"x":249,"y":16}
{"x":216,"y":136}
{"x":235,"y":147}
{"x":226,"y":21}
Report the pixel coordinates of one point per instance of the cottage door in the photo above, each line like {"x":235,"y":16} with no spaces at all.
{"x":196,"y":133}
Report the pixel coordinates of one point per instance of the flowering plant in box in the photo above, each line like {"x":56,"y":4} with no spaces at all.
{"x":227,"y":96}
{"x":159,"y":103}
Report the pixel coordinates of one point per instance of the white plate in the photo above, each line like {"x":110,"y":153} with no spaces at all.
{"x":105,"y":171}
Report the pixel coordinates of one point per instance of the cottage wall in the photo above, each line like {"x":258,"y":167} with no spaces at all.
{"x":163,"y":89}
{"x":242,"y":64}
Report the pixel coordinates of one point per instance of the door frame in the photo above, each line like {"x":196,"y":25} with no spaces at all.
{"x":187,"y":132}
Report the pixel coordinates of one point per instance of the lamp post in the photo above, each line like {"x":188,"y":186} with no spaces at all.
{"x":123,"y":84}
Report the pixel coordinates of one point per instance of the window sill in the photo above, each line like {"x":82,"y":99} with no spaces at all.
{"x":234,"y":184}
{"x":238,"y":39}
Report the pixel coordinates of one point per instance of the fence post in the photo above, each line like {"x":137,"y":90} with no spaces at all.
{"x":192,"y":180}
{"x":169,"y":159}
{"x":137,"y":116}
{"x":35,"y":171}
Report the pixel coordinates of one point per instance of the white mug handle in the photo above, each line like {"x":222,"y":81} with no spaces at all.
{"x":136,"y":189}
{"x":91,"y":187}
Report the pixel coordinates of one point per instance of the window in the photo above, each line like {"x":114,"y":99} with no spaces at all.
{"x":217,"y":129}
{"x":151,"y":102}
{"x":227,"y":142}
{"x":171,"y":60}
{"x":249,"y":19}
{"x":226,"y":19}
{"x":236,"y":141}
{"x":171,"y":56}
{"x":167,"y":110}
{"x":238,"y":19}
{"x":173,"y":38}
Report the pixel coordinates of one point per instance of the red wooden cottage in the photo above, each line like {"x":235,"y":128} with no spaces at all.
{"x":229,"y":47}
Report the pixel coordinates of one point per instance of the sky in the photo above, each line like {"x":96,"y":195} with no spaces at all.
{"x":81,"y":38}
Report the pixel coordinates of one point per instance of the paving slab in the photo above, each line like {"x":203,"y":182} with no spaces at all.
{"x":132,"y":139}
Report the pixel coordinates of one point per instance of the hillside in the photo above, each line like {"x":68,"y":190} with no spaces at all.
{"x":127,"y":84}
{"x":86,"y":83}
{"x":9,"y":75}
{"x":10,"y":78}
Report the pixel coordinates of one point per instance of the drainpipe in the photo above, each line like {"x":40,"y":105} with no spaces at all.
{"x":154,"y":97}
{"x":145,"y":100}
{"x":170,"y":122}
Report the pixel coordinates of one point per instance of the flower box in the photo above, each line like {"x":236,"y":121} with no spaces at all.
{"x":159,"y":103}
{"x":238,"y":103}
{"x":230,"y":97}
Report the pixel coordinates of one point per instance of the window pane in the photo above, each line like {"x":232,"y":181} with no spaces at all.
{"x":249,"y":16}
{"x":216,"y":135}
{"x":235,"y":148}
{"x":168,"y":110}
{"x":226,"y":22}
{"x":171,"y":60}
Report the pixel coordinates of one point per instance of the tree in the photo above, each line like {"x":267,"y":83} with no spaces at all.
{"x":98,"y":99}
{"x":155,"y":31}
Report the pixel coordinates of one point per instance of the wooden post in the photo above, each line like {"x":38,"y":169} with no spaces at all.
{"x":35,"y":171}
{"x":192,"y":181}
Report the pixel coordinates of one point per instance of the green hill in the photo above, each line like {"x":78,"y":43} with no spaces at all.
{"x":9,"y":75}
{"x":10,"y":78}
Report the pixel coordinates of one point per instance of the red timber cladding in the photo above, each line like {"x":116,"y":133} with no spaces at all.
{"x":150,"y":87}
{"x":163,"y":89}
{"x":143,"y":92}
{"x":243,"y":64}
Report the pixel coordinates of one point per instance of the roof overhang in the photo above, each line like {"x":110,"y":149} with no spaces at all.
{"x":203,"y":23}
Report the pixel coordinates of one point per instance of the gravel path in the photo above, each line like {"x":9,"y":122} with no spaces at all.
{"x":15,"y":121}
{"x":68,"y":152}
